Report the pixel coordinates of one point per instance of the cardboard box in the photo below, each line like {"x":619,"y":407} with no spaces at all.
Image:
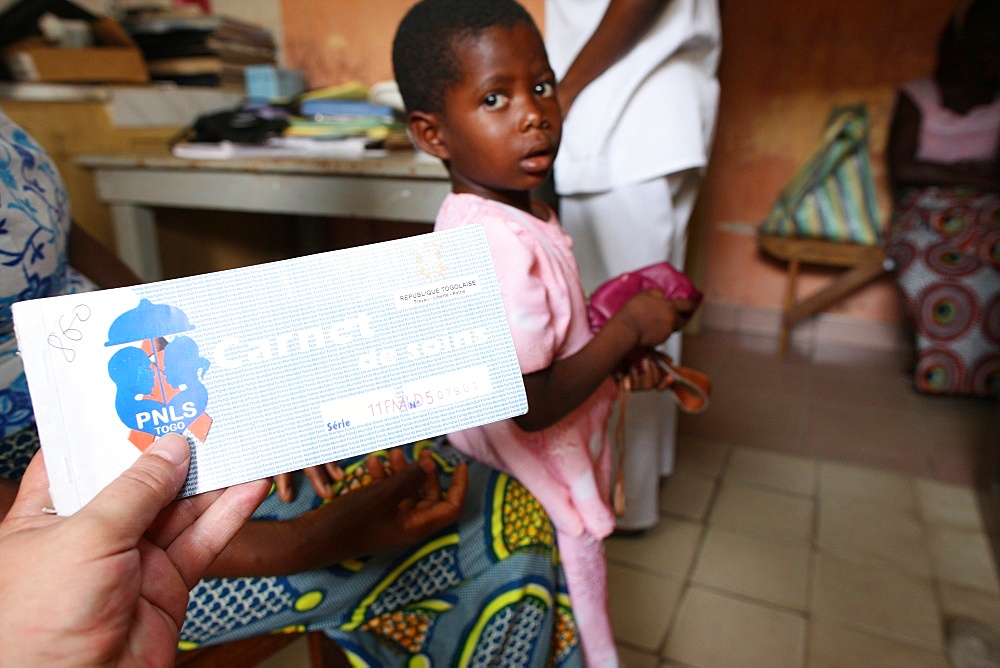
{"x":116,"y":59}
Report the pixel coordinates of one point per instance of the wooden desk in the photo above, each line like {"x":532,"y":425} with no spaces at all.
{"x":398,"y":186}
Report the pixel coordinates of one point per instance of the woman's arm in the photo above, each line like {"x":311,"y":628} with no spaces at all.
{"x":394,"y":512}
{"x":553,"y":393}
{"x":905,"y":170}
{"x":623,"y":24}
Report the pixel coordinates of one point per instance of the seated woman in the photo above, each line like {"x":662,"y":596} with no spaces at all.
{"x":440,"y":560}
{"x":944,"y":165}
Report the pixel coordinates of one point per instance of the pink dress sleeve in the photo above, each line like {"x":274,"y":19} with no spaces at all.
{"x":534,"y":292}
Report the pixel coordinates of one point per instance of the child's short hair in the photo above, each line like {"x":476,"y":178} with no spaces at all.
{"x":423,"y":54}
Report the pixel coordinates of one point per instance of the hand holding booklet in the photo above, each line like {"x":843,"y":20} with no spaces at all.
{"x":271,"y":368}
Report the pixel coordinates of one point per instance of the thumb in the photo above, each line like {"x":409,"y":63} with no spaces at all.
{"x":132,"y":501}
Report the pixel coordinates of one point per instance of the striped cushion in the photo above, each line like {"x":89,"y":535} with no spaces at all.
{"x":832,"y":197}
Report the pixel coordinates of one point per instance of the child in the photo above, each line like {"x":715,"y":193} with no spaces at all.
{"x":480,"y":95}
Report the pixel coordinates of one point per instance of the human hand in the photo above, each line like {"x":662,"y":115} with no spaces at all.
{"x":653,"y":317}
{"x":320,"y":477}
{"x":645,"y":374}
{"x":109,"y":584}
{"x":402,"y":505}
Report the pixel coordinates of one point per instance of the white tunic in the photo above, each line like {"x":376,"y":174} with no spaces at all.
{"x":650,"y":114}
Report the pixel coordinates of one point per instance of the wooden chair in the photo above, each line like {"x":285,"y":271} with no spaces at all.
{"x":863,"y":264}
{"x":827,"y":215}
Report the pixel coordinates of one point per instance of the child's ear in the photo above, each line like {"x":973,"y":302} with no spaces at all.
{"x":425,"y":131}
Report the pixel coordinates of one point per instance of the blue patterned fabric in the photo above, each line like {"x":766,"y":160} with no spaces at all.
{"x":34,"y":231}
{"x":487,"y":591}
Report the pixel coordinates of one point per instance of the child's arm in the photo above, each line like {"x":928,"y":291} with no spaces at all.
{"x":395,"y":511}
{"x":645,"y":321}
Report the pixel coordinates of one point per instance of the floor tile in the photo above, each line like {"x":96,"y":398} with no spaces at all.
{"x":770,"y":469}
{"x":666,"y":549}
{"x":963,"y":557}
{"x":633,"y":658}
{"x":880,"y":600}
{"x":642,"y":606}
{"x":959,"y":602}
{"x":833,"y":646}
{"x":850,"y":386}
{"x":778,"y":420}
{"x":955,"y":463}
{"x":868,"y":533}
{"x":840,"y":482}
{"x":717,"y":630}
{"x":703,"y":457}
{"x":947,"y":505}
{"x":761,"y":569}
{"x":745,"y":508}
{"x":771,"y":375}
{"x":686,"y":496}
{"x":872,"y":430}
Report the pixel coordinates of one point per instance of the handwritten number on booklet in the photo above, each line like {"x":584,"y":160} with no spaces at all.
{"x":69,"y":330}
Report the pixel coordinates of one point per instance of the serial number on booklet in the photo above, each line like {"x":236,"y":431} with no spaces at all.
{"x":419,"y":395}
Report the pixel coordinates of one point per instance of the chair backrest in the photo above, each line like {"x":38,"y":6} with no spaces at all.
{"x":832,"y":196}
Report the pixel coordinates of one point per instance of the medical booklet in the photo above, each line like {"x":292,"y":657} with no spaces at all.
{"x":271,"y":368}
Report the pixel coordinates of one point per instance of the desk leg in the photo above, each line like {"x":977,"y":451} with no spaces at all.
{"x":135,"y":236}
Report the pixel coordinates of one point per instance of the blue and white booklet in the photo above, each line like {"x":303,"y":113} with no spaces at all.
{"x":271,"y":368}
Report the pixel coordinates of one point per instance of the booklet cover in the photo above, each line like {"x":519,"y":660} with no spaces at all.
{"x":271,"y":368}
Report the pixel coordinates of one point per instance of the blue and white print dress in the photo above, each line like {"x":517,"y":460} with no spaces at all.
{"x":34,"y":230}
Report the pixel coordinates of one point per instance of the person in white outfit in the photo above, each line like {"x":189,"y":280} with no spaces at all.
{"x":639,"y":94}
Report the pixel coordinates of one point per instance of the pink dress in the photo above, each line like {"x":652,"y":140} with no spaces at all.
{"x":949,"y":137}
{"x":568,"y":465}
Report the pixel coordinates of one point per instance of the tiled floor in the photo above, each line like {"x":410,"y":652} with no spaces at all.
{"x":821,"y":513}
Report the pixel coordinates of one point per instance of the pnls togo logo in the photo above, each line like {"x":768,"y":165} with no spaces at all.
{"x":158,"y":380}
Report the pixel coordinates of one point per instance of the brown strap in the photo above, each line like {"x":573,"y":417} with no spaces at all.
{"x":689,"y":388}
{"x":618,"y":495}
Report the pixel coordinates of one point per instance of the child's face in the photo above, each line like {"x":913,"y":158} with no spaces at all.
{"x":501,"y":124}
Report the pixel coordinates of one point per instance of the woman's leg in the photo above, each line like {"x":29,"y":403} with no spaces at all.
{"x":485,"y":590}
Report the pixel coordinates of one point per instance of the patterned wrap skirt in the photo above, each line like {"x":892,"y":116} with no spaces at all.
{"x":946,"y":244}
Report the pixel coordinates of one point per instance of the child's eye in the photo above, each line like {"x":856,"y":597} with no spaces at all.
{"x":495,"y":100}
{"x":547,"y":89}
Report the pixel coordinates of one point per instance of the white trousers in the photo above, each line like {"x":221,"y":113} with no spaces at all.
{"x":618,"y":231}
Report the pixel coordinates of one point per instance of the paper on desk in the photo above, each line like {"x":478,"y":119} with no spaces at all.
{"x":277,"y":147}
{"x":271,"y":368}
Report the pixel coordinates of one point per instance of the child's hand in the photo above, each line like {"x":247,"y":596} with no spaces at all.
{"x":401,"y":507}
{"x":646,"y":374}
{"x":319,"y":476}
{"x":653,"y":317}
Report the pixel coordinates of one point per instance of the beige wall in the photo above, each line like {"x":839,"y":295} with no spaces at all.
{"x":785,"y":63}
{"x":336,"y":41}
{"x":783,"y":68}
